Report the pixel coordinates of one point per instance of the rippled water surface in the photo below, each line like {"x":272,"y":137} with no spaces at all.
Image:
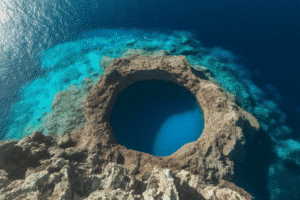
{"x":47,"y":47}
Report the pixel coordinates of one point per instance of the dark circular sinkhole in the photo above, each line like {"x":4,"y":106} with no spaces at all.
{"x":156,"y":117}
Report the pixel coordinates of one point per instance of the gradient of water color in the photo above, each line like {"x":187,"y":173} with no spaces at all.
{"x":42,"y":41}
{"x":156,"y":117}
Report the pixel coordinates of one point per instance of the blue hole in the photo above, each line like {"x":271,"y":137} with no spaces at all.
{"x":156,"y":117}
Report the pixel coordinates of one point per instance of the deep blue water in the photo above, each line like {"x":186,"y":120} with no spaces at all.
{"x":156,"y":117}
{"x":252,"y":47}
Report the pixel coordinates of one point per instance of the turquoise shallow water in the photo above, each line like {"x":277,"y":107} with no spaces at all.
{"x":273,"y":156}
{"x":156,"y":117}
{"x":46,"y":46}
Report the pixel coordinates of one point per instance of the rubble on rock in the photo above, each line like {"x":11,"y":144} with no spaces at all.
{"x":39,"y":167}
{"x":88,"y":163}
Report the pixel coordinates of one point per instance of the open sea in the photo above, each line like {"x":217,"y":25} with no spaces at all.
{"x":252,"y":47}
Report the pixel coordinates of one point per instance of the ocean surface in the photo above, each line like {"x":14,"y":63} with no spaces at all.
{"x":50,"y":53}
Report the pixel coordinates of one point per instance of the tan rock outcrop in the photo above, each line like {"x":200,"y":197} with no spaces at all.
{"x":89,"y":163}
{"x":227,"y":126}
{"x":68,"y":173}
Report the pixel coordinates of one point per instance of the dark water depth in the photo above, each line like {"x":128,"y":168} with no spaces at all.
{"x":156,"y":117}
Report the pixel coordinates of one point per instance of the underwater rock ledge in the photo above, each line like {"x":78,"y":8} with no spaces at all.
{"x":89,"y":163}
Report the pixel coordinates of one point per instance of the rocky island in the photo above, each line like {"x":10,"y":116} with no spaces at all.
{"x":89,"y":163}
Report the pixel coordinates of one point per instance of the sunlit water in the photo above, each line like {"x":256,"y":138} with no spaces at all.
{"x":47,"y":46}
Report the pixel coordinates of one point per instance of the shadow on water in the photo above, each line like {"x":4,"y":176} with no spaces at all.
{"x":252,"y":174}
{"x":143,"y":112}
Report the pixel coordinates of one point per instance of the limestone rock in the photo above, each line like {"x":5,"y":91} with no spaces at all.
{"x":81,"y":175}
{"x":88,"y":162}
{"x":227,"y":132}
{"x":161,"y":185}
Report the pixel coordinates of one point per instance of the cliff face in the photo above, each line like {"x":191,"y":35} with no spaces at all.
{"x":88,"y":162}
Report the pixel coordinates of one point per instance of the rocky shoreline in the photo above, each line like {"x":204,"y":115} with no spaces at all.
{"x":88,"y":162}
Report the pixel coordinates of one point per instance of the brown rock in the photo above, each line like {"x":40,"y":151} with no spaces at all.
{"x":88,"y":163}
{"x":227,"y":126}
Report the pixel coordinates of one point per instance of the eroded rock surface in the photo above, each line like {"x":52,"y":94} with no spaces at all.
{"x":50,"y":169}
{"x":88,"y":162}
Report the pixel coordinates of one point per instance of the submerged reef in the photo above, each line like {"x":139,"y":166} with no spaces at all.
{"x":53,"y":103}
{"x":87,"y":162}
